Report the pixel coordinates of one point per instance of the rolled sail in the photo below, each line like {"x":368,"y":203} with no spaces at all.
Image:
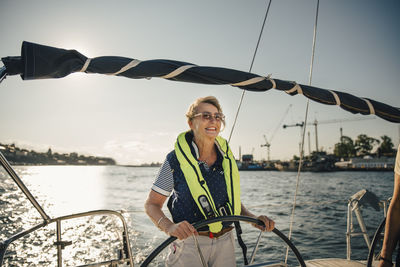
{"x":45,"y":62}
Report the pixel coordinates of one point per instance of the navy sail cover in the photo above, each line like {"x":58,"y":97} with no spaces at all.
{"x":44,"y":62}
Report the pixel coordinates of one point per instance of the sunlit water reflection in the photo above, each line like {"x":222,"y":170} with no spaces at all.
{"x":319,"y":228}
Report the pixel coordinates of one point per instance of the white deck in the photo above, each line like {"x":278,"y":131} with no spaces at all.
{"x":330,"y":262}
{"x":337,"y":263}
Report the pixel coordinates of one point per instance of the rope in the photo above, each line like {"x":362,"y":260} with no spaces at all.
{"x":251,"y":66}
{"x":304,"y":132}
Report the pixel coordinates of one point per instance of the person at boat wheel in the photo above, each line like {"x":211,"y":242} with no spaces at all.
{"x":201,"y":179}
{"x":392,"y":227}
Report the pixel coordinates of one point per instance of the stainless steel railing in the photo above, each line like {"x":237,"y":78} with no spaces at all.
{"x":125,"y":251}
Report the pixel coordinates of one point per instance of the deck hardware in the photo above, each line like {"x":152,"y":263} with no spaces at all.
{"x":63,"y":244}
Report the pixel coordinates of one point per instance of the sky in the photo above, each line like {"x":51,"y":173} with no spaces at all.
{"x":137,"y":121}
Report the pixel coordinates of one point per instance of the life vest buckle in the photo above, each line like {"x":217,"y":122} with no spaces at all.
{"x":222,"y":211}
{"x":225,"y":210}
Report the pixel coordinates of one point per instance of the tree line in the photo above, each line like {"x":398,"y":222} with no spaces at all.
{"x":363,"y":145}
{"x":16,"y":155}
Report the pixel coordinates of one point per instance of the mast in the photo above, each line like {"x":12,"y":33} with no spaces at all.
{"x":316,"y":135}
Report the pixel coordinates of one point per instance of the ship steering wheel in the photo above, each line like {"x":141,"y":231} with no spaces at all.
{"x":203,"y":223}
{"x":377,"y":237}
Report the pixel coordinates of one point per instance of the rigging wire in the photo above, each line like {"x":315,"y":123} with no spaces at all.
{"x":304,"y":131}
{"x":251,"y":67}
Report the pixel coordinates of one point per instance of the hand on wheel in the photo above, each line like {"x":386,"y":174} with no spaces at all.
{"x":181,"y":230}
{"x":269,"y":224}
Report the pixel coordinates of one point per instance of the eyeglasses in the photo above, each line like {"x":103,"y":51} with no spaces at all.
{"x":208,"y":116}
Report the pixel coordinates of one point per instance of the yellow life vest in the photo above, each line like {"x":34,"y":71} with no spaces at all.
{"x":198,"y":186}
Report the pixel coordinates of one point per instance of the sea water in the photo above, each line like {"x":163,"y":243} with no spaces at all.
{"x":319,"y":227}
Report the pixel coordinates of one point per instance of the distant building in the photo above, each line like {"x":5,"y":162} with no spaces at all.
{"x":367,"y":163}
{"x":247,"y":158}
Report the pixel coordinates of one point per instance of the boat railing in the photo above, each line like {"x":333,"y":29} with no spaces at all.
{"x":362,"y":197}
{"x":125,"y":253}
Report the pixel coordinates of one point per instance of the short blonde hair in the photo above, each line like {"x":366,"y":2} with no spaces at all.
{"x":208,"y":99}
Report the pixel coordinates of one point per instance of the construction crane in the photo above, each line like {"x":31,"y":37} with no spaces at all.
{"x":315,"y":123}
{"x":268,"y":145}
{"x":294,"y":125}
{"x":301,"y":125}
{"x":268,"y":142}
